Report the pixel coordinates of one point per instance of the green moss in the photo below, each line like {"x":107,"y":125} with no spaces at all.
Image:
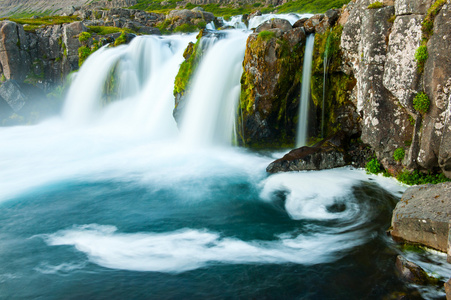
{"x":392,"y":19}
{"x":428,"y":22}
{"x":421,"y":55}
{"x":192,"y":56}
{"x":84,"y":36}
{"x":317,"y":6}
{"x":185,"y":28}
{"x":417,"y":178}
{"x":421,"y":103}
{"x":122,"y":39}
{"x":3,"y":78}
{"x":103,"y":30}
{"x":266,"y":35}
{"x":376,"y":5}
{"x":83,"y":53}
{"x":33,"y":24}
{"x":399,"y":154}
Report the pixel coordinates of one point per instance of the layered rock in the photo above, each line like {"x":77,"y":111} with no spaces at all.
{"x":422,"y":216}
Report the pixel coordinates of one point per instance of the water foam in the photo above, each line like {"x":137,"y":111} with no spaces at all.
{"x":189,"y":249}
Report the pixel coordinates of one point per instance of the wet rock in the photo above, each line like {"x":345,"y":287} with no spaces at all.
{"x":5,"y":109}
{"x":449,"y":243}
{"x":411,"y":272}
{"x":270,"y":86}
{"x":328,"y":154}
{"x":448,"y":289}
{"x":71,"y":42}
{"x":422,"y":216}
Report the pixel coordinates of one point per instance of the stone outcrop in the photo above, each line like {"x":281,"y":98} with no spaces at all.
{"x":411,"y":272}
{"x":270,"y":84}
{"x":448,"y":289}
{"x":422,"y":216}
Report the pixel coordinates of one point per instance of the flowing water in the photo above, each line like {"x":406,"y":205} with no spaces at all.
{"x":302,"y":135}
{"x":111,"y":202}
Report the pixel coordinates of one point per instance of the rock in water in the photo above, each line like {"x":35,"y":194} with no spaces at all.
{"x":422,"y":216}
{"x":411,"y":272}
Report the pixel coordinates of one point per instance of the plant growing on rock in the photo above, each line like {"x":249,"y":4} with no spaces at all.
{"x":421,"y":55}
{"x":417,"y":178}
{"x":421,"y":103}
{"x":122,"y":39}
{"x":373,"y":166}
{"x":399,"y":154}
{"x":84,"y":36}
{"x":266,"y":35}
{"x":376,"y":5}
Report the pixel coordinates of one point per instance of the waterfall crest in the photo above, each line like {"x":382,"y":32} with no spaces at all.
{"x":302,"y":135}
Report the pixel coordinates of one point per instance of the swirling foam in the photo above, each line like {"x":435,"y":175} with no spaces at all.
{"x":189,"y":249}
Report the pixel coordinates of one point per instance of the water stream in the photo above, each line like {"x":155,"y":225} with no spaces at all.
{"x":302,"y":134}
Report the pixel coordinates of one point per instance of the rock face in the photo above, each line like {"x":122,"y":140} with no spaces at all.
{"x":379,"y":48}
{"x":448,"y":289}
{"x":422,"y":216}
{"x":270,"y":85}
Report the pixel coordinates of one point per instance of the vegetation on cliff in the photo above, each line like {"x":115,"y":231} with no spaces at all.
{"x":31,"y":24}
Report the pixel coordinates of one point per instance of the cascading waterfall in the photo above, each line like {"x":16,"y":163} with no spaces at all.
{"x":145,"y":71}
{"x":325,"y":66}
{"x":301,"y":139}
{"x":209,"y":116}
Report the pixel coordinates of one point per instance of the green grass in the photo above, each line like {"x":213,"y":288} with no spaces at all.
{"x":266,"y":35}
{"x":417,"y":178}
{"x":311,"y":6}
{"x":33,"y":24}
{"x":103,"y":30}
{"x":421,"y":55}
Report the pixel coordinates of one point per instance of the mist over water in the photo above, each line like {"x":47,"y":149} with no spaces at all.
{"x":113,"y":201}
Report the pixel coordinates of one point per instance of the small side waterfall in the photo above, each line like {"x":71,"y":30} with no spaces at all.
{"x":302,"y":137}
{"x":209,"y":116}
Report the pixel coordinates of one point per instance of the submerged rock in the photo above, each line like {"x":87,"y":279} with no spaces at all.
{"x":422,"y":216}
{"x":411,"y":272}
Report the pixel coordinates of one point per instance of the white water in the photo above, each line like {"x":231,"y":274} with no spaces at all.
{"x":254,"y":22}
{"x":302,"y":135}
{"x":209,"y":117}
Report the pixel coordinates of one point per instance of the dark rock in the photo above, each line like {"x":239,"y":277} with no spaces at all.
{"x":449,"y":243}
{"x":411,"y":272}
{"x":12,"y":93}
{"x":422,"y":216}
{"x":327,"y":154}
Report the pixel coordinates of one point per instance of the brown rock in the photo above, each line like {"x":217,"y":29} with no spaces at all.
{"x":422,"y":216}
{"x":411,"y":272}
{"x":448,"y":289}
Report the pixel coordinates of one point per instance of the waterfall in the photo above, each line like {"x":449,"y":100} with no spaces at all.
{"x":209,"y":116}
{"x":145,"y":71}
{"x":305,"y":92}
{"x":325,"y":64}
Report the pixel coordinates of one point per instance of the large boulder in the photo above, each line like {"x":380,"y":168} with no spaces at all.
{"x":422,"y":216}
{"x":71,"y":42}
{"x":270,"y":86}
{"x":327,"y":154}
{"x":411,"y":272}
